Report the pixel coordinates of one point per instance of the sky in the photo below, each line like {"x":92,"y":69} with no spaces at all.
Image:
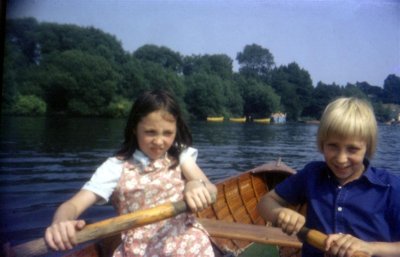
{"x":336,"y":41}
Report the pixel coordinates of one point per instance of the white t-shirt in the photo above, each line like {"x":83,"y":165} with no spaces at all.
{"x":106,"y":177}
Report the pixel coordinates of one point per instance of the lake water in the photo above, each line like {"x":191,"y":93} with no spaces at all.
{"x":43,"y":161}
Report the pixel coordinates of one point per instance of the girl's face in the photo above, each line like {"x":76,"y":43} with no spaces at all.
{"x":344,"y":157}
{"x":156,"y":133}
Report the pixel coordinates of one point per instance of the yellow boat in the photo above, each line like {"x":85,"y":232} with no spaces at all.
{"x":215,"y":119}
{"x":240,"y":120}
{"x":262,"y":120}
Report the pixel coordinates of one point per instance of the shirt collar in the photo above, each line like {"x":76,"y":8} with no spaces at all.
{"x":143,"y":159}
{"x":140,"y":157}
{"x":371,"y":175}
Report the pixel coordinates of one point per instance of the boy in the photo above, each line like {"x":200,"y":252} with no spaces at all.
{"x":357,"y":205}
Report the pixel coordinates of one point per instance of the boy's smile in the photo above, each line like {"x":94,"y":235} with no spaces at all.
{"x":345,"y":156}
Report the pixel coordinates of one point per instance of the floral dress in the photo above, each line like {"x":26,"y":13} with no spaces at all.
{"x":145,"y":187}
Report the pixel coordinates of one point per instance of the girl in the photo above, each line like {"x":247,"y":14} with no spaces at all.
{"x":154,"y":165}
{"x":356,"y":204}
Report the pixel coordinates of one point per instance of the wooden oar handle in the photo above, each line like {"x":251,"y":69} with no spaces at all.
{"x":135,"y":219}
{"x":317,"y":239}
{"x":107,"y":227}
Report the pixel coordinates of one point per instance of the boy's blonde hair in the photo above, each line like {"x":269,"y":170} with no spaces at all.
{"x":349,"y":117}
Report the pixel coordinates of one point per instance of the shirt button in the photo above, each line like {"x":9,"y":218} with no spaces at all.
{"x":340,"y":209}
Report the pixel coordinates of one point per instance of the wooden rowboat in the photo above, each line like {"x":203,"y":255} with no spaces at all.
{"x":262,"y":120}
{"x":239,"y":120}
{"x":235,"y":204}
{"x":215,"y":119}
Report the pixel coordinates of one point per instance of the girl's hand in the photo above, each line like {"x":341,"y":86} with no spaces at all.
{"x":345,"y":245}
{"x":290,"y":221}
{"x":197,"y":195}
{"x":62,"y":235}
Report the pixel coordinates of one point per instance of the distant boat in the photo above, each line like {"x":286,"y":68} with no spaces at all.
{"x":240,"y":120}
{"x":215,"y":119}
{"x":278,"y":117}
{"x":262,"y":120}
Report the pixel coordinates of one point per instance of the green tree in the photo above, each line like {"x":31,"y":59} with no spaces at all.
{"x":382,"y":113}
{"x":205,"y":95}
{"x":322,"y":95}
{"x":255,"y":61}
{"x":155,"y":76}
{"x":351,"y":90}
{"x":9,"y":85}
{"x":300,"y":80}
{"x":22,"y":34}
{"x":391,"y":89}
{"x":161,"y":55}
{"x":295,"y":87}
{"x":59,"y":38}
{"x":374,"y":93}
{"x":132,"y":78}
{"x":84,"y":83}
{"x":233,"y":99}
{"x":260,"y":100}
{"x":119,"y":107}
{"x":29,"y":105}
{"x":217,"y":64}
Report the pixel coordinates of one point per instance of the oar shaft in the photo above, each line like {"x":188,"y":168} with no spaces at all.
{"x":317,"y":239}
{"x":249,"y":232}
{"x":139,"y":218}
{"x":108,"y":227}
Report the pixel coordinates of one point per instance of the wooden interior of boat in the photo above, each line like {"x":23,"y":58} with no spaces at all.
{"x":238,"y":198}
{"x":236,"y":201}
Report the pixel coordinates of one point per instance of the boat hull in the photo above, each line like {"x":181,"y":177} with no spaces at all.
{"x":263,"y":120}
{"x":215,"y":119}
{"x":238,"y":120}
{"x":236,"y":201}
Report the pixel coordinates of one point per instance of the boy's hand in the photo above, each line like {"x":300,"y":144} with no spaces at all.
{"x":345,"y":245}
{"x":290,"y":221}
{"x":62,"y":236}
{"x":197,"y":195}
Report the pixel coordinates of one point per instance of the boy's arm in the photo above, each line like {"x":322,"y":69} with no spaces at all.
{"x":274,"y":208}
{"x":345,"y":244}
{"x":386,"y":249}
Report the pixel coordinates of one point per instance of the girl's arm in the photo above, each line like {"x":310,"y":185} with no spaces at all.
{"x":199,"y":191}
{"x":274,"y":208}
{"x":60,"y":235}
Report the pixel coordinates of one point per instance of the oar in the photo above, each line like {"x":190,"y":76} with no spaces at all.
{"x":249,"y":232}
{"x":107,"y":227}
{"x":267,"y":235}
{"x":317,"y":239}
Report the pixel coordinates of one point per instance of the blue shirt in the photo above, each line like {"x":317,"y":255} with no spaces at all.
{"x":368,"y":208}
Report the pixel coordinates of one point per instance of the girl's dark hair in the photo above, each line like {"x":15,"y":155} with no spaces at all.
{"x":147,"y":102}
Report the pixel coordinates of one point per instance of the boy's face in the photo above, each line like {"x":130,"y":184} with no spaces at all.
{"x":156,"y":133}
{"x":344,"y":157}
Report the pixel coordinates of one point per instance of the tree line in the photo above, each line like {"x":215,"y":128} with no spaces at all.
{"x":52,"y":69}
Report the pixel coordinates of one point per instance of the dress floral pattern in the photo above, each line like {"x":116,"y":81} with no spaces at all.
{"x":145,"y":187}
